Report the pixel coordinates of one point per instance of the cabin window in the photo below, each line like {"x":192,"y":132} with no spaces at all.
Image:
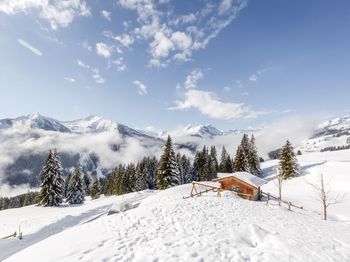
{"x":235,"y":188}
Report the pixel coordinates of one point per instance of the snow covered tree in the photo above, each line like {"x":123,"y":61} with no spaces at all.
{"x":52,"y":184}
{"x":95,"y":189}
{"x":168,"y":169}
{"x":76,"y":194}
{"x":245,"y":144}
{"x":225,"y":165}
{"x":214,"y":165}
{"x":66,"y":184}
{"x":86,"y":184}
{"x":186,"y":169}
{"x":240,"y":163}
{"x":253,"y":158}
{"x":141,"y":177}
{"x":288,"y":162}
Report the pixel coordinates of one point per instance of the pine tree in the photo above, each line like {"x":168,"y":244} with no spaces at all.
{"x":186,"y":169}
{"x":76,"y":194}
{"x":87,"y":184}
{"x":95,"y":189}
{"x":214,"y":165}
{"x":240,"y":164}
{"x":52,"y":184}
{"x":225,"y":165}
{"x":168,"y":169}
{"x":253,"y":158}
{"x":288,"y":162}
{"x":141,"y":177}
{"x":245,"y":144}
{"x":66,"y":184}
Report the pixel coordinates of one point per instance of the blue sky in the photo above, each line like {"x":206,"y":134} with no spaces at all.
{"x":165,"y":63}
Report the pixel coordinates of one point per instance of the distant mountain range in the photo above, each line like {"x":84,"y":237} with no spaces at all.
{"x":98,"y":144}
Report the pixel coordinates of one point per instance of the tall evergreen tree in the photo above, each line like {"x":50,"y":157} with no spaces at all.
{"x":240,"y":163}
{"x":253,"y":158}
{"x":52,"y":185}
{"x":288,"y":162}
{"x":185,"y":163}
{"x":76,"y":194}
{"x":141,"y":176}
{"x":245,"y":145}
{"x":95,"y":189}
{"x":87,"y":184}
{"x":214,"y":165}
{"x":225,"y":165}
{"x":168,"y":169}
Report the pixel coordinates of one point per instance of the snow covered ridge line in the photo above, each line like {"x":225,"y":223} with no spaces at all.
{"x":96,"y":124}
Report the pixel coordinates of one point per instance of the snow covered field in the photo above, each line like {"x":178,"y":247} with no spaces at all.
{"x":166,"y":227}
{"x":335,"y":166}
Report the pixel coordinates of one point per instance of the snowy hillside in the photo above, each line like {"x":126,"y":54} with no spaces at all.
{"x":166,"y":227}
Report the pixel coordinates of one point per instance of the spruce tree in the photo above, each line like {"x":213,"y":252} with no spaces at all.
{"x":253,"y":158}
{"x":141,"y":177}
{"x":214,"y":163}
{"x":288,"y":162}
{"x":168,"y":169}
{"x":95,"y":189}
{"x":240,"y":163}
{"x":52,"y":185}
{"x":87,"y":184}
{"x":76,"y":194}
{"x":225,"y":165}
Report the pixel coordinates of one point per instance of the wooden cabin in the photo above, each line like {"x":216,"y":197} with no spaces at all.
{"x":244,"y":184}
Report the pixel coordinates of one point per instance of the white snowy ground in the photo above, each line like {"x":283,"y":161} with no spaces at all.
{"x":335,"y":166}
{"x":166,"y":227}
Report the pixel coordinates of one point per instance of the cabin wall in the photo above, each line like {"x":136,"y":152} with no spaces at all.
{"x":227,"y":184}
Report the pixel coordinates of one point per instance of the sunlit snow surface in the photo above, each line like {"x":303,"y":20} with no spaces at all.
{"x":166,"y":227}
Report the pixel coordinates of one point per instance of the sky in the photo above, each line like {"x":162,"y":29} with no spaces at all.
{"x":160,"y":64}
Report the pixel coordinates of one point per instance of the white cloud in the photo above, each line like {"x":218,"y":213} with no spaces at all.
{"x":124,"y":39}
{"x":70,"y":79}
{"x":161,"y":45}
{"x":210,"y":105}
{"x":83,"y":65}
{"x":106,"y":14}
{"x":253,"y":78}
{"x":97,"y":77}
{"x":29,"y":47}
{"x":103,"y":50}
{"x":142,"y":89}
{"x":181,"y":40}
{"x":57,"y":13}
{"x":193,"y":78}
{"x":86,"y":46}
{"x":119,"y":62}
{"x":160,"y":29}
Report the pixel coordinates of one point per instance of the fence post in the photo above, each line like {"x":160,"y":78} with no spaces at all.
{"x":268,"y":199}
{"x":289,"y":204}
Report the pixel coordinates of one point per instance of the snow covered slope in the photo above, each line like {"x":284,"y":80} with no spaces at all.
{"x":166,"y":227}
{"x":335,"y":167}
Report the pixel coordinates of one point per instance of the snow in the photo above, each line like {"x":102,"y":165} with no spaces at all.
{"x":334,"y":166}
{"x":246,"y":177}
{"x":166,"y":227}
{"x":163,"y":226}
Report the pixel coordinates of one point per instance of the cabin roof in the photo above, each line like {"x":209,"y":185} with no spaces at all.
{"x":243,"y":176}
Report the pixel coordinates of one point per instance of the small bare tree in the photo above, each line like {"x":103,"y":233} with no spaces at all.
{"x":325,"y":195}
{"x":279,"y":183}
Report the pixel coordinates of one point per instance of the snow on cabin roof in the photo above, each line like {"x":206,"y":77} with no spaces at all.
{"x":244,"y":176}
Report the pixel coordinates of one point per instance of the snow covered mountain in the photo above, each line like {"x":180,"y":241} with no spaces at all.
{"x":338,"y":126}
{"x":34,"y":121}
{"x":333,"y":134}
{"x":99,"y":144}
